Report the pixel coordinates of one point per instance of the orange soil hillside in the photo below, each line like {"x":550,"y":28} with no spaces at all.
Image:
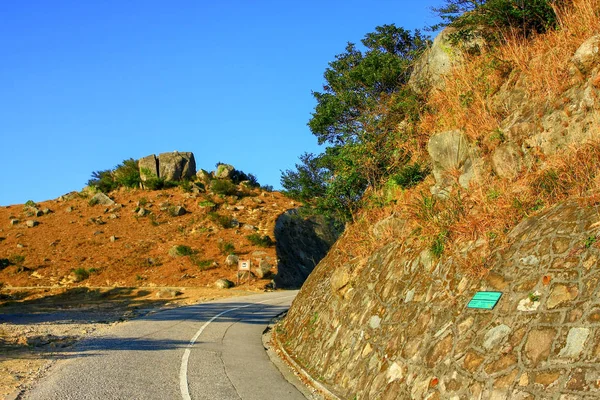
{"x":79,"y":244}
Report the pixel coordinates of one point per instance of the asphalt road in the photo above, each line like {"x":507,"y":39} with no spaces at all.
{"x":206,"y":351}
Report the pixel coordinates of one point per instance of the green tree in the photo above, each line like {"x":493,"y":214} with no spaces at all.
{"x":356,"y":81}
{"x":365,"y":96}
{"x":492,"y":19}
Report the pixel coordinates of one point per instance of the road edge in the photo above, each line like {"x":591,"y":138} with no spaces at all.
{"x":290,"y":369}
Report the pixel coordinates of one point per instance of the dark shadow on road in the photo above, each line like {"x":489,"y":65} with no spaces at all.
{"x":69,"y":347}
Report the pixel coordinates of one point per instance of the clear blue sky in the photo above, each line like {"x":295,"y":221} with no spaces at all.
{"x":87,"y":84}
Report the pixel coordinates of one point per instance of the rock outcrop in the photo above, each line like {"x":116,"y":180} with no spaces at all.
{"x":300,"y":244}
{"x":175,"y":166}
{"x":437,"y":62}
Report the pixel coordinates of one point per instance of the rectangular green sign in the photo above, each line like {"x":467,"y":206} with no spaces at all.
{"x":485,"y":300}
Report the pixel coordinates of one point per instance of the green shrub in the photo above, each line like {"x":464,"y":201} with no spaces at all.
{"x":81,"y":274}
{"x":226,"y":248}
{"x":208,"y":204}
{"x":127,"y":174}
{"x":186,"y":185}
{"x":267,"y":188}
{"x":223,"y":187}
{"x":31,"y":203}
{"x":180,"y":251}
{"x":494,"y":19}
{"x":438,"y":244}
{"x":258,"y":240}
{"x":410,"y":175}
{"x":224,"y":221}
{"x":103,"y":181}
{"x":203,"y":265}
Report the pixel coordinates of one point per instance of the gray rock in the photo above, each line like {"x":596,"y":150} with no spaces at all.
{"x":507,"y":160}
{"x":148,"y":167}
{"x":495,"y":336}
{"x":47,"y":211}
{"x":224,"y":284}
{"x":113,"y":239}
{"x":179,"y":211}
{"x":248,"y":227}
{"x":587,"y":55}
{"x":450,"y":151}
{"x":224,"y":171}
{"x":204,"y":176}
{"x":176,"y":166}
{"x":264,"y":269}
{"x":142,"y":212}
{"x":437,"y":62}
{"x":31,"y":223}
{"x":232,"y":260}
{"x":14,"y":222}
{"x":102,"y":199}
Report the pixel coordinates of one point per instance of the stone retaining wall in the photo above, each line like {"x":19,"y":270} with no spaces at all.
{"x":397,"y":327}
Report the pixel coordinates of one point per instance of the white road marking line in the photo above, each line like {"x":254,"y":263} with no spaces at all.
{"x":183,"y":383}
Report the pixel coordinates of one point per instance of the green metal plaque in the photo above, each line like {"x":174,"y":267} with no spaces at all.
{"x":485,"y":300}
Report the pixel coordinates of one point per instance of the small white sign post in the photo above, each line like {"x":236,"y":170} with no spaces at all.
{"x":243,"y":266}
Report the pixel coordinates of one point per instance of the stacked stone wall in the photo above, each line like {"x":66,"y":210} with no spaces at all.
{"x":397,"y":326}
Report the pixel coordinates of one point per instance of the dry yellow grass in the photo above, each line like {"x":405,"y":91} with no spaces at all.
{"x":486,"y":212}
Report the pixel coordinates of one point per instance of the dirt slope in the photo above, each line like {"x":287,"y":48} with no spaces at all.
{"x":118,"y":247}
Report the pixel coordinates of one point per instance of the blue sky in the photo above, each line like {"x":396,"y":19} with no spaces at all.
{"x":87,"y":84}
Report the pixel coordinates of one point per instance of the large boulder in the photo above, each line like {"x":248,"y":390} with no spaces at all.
{"x":176,"y":166}
{"x":437,"y":62}
{"x":450,"y":154}
{"x":224,"y":171}
{"x":102,"y":199}
{"x":148,"y":167}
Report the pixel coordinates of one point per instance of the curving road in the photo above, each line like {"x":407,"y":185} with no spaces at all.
{"x":206,"y":351}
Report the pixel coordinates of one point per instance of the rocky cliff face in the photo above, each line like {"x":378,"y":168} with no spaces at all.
{"x":300,"y":243}
{"x":395,"y":324}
